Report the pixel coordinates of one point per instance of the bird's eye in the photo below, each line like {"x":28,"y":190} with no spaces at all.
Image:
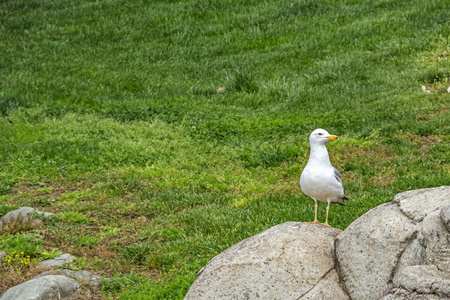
{"x":320,"y":133}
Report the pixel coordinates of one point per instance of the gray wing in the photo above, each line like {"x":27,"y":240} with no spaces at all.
{"x":337,"y":175}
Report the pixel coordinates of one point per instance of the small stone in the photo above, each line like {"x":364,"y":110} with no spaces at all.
{"x":221,"y":89}
{"x":2,"y":254}
{"x":47,"y":287}
{"x":95,"y":280}
{"x":26,"y":213}
{"x":58,"y":261}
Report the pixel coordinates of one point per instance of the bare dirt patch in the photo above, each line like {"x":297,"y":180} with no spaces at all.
{"x":424,"y":142}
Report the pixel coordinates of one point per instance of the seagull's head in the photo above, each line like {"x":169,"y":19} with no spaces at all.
{"x":321,"y":136}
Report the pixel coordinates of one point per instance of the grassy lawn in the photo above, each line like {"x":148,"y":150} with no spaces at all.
{"x":110,"y":118}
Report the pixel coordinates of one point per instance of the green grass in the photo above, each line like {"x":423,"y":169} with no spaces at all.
{"x":110,"y":118}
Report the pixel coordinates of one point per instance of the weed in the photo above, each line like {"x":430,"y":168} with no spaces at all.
{"x":24,"y":243}
{"x":12,"y":274}
{"x":51,"y":254}
{"x":136,"y":253}
{"x":241,"y":202}
{"x":74,"y":217}
{"x":87,"y":241}
{"x":118,"y":283}
{"x":160,"y":260}
{"x":9,"y":104}
{"x":18,"y":225}
{"x":242,"y":81}
{"x":5,"y":208}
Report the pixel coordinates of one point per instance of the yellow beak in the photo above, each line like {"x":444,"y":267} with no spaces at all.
{"x":332,"y":137}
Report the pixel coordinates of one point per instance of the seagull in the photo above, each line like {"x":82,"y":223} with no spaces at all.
{"x":320,"y":180}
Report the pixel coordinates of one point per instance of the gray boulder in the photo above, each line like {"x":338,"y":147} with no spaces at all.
{"x":47,"y":287}
{"x":26,"y":214}
{"x":369,"y":249}
{"x":288,"y":261}
{"x":382,"y":254}
{"x":58,"y":261}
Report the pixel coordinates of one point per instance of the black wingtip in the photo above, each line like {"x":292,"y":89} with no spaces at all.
{"x":342,"y":203}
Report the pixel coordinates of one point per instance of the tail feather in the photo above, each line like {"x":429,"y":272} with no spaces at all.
{"x":342,"y":201}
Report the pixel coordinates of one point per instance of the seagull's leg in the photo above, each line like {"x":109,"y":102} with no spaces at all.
{"x":328,"y":208}
{"x":315,"y":215}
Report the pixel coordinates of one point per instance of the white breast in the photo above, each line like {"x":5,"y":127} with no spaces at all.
{"x":320,"y":183}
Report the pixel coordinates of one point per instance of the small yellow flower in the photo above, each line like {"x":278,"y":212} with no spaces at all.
{"x":17,"y":255}
{"x":21,"y":252}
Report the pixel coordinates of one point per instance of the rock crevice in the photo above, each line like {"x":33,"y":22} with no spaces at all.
{"x":314,"y":286}
{"x":337,"y":267}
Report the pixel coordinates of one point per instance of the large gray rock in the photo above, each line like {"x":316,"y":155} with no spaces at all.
{"x":26,"y":214}
{"x":288,"y":261}
{"x":47,"y":287}
{"x":382,"y":253}
{"x":83,"y":277}
{"x":369,"y":249}
{"x":58,"y":261}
